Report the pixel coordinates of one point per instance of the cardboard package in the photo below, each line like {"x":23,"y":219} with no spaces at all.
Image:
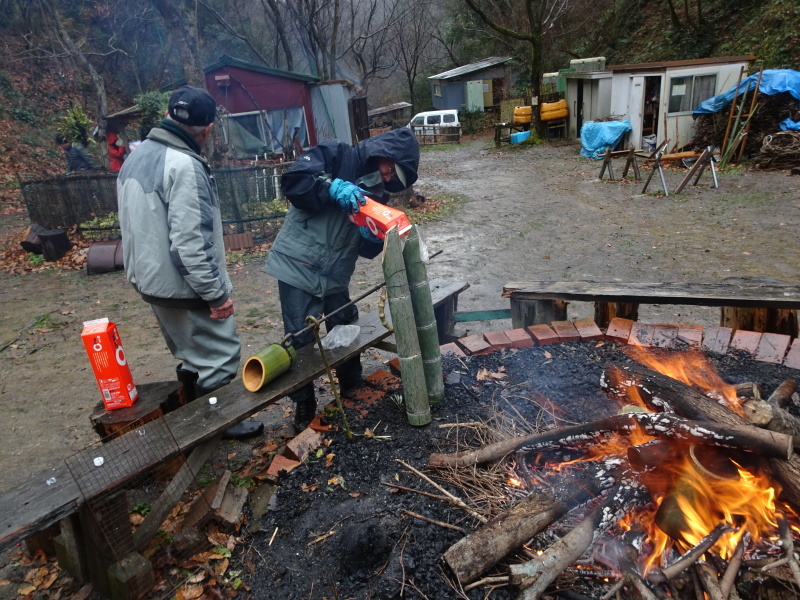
{"x":381,"y":218}
{"x":111,"y":370}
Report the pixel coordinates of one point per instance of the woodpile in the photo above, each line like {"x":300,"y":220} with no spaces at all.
{"x":770,"y":110}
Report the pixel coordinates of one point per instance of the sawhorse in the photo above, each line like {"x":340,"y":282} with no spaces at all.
{"x":630,"y":162}
{"x":706,"y":160}
{"x":657,"y":167}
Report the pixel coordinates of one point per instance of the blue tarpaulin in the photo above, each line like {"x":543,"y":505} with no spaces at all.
{"x":773,"y":81}
{"x":789,"y":125}
{"x":597,"y":136}
{"x":520,"y":136}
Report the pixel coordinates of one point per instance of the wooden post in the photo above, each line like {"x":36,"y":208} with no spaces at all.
{"x":762,"y":320}
{"x":418,"y":410}
{"x":536,"y":312}
{"x":605,"y":311}
{"x":424,"y":317}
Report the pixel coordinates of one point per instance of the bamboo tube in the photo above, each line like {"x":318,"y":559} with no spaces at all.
{"x":424,"y":317}
{"x":266,"y":365}
{"x":418,"y":410}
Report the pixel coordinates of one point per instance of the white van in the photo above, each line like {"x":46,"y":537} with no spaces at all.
{"x":423,"y":123}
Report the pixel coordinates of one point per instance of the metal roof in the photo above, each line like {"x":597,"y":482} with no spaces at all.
{"x":385,"y":109}
{"x":470,"y":68}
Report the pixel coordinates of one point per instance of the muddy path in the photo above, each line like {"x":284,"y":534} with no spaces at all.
{"x":526,"y":213}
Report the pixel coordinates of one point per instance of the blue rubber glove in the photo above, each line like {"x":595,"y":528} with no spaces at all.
{"x":367,"y":234}
{"x":347,"y":195}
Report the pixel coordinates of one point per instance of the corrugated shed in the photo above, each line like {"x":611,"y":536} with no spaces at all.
{"x":472,"y":67}
{"x":331,"y":117}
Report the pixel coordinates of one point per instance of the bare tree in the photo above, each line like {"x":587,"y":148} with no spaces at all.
{"x":413,"y":42}
{"x":526,"y":21}
{"x":180,"y":17}
{"x":271,"y":6}
{"x":69,"y":44}
{"x":373,"y":27}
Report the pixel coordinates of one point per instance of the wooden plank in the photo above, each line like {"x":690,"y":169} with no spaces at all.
{"x":756,"y":294}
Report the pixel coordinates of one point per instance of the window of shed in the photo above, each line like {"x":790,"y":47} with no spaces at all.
{"x":685,"y":93}
{"x":437,"y":90}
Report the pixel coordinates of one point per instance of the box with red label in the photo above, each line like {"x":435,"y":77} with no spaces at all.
{"x":104,"y":347}
{"x":381,"y":218}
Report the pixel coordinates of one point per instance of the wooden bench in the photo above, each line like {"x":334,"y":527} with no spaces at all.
{"x":535,"y":302}
{"x":50,"y":496}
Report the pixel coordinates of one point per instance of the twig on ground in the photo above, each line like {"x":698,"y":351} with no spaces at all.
{"x":787,"y":544}
{"x":453,"y":499}
{"x":433,"y":521}
{"x":465,"y":424}
{"x":498,"y":581}
{"x":408,"y":489}
{"x":729,"y":577}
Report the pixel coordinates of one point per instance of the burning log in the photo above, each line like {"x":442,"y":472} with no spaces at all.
{"x":660,"y":425}
{"x":534,"y":576}
{"x":658,"y":576}
{"x":771,"y":414}
{"x":473,"y":555}
{"x":665,"y":393}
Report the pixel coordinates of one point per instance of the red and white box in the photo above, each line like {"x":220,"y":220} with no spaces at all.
{"x":381,"y":218}
{"x":111,"y":370}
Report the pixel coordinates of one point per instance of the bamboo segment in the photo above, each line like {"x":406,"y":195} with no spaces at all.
{"x":418,"y":410}
{"x":424,"y":317}
{"x":264,"y":366}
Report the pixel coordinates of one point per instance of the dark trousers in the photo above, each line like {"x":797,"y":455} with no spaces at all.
{"x":296,"y":305}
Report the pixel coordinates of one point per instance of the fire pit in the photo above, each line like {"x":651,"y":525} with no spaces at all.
{"x":597,"y":501}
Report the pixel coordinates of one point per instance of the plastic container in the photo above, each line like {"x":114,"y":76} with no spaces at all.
{"x":550,"y":111}
{"x":104,"y":348}
{"x":381,"y":218}
{"x":522,"y":114}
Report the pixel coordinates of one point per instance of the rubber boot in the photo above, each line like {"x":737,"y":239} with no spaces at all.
{"x":304,"y":412}
{"x":350,"y":376}
{"x":188,"y":381}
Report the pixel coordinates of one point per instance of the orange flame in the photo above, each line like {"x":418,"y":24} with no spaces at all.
{"x":691,"y":367}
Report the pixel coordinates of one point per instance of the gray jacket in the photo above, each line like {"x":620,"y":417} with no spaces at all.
{"x":171,"y":225}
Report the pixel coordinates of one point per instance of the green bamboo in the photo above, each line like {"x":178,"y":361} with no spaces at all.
{"x":418,"y":410}
{"x":423,"y":315}
{"x":266,"y":365}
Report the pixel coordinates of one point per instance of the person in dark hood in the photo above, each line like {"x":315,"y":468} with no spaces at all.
{"x":315,"y":252}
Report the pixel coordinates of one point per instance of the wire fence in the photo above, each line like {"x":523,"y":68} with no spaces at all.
{"x":250,"y":200}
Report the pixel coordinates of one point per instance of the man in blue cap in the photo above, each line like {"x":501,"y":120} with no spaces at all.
{"x":173,"y":249}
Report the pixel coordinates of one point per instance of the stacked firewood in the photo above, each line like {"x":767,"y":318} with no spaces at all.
{"x":770,"y":110}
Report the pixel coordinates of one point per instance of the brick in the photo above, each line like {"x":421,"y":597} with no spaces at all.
{"x":394,"y":366}
{"x":497,"y":340}
{"x":588,"y":330}
{"x":717,"y":339}
{"x":566,"y":331}
{"x":691,"y":335}
{"x":653,"y":335}
{"x":543,"y":334}
{"x":792,"y":359}
{"x":474,"y":344}
{"x":281,"y":463}
{"x":772,"y":347}
{"x":383,"y":380}
{"x":451,"y":348}
{"x":619,"y":330}
{"x":746,"y":341}
{"x":301,"y":445}
{"x":519,"y":338}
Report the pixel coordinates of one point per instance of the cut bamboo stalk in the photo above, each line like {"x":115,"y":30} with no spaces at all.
{"x":418,"y":410}
{"x":424,"y":316}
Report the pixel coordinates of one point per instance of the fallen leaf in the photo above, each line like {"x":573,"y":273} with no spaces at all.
{"x":484,"y":374}
{"x":5,"y":582}
{"x":26,"y":589}
{"x":197,"y":577}
{"x":220,"y":569}
{"x":192,"y":591}
{"x":231,"y":455}
{"x":51,"y":329}
{"x":329,"y":459}
{"x":51,"y":579}
{"x":547,"y":354}
{"x":136,"y":519}
{"x":309,"y":488}
{"x":355,"y":494}
{"x":66,"y":312}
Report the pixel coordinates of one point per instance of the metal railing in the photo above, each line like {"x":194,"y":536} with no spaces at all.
{"x":437,"y":134}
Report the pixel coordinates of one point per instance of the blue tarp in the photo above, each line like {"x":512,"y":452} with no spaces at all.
{"x":773,"y":81}
{"x":597,"y":136}
{"x":789,"y":125}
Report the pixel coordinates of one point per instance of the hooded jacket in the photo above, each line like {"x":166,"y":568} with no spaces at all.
{"x":171,"y":225}
{"x":317,"y":247}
